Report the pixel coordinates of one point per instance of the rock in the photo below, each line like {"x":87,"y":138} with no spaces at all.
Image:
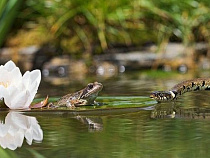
{"x":63,"y":66}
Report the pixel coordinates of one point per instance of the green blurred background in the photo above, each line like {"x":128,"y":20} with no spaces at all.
{"x":91,"y":27}
{"x":84,"y":29}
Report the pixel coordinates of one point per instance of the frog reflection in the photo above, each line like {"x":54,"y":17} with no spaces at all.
{"x":94,"y":123}
{"x":16,"y":127}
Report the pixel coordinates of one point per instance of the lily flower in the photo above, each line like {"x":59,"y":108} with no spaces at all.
{"x":18,"y":91}
{"x":17,"y":127}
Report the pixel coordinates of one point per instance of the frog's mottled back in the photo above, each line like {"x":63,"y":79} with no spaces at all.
{"x":85,"y":96}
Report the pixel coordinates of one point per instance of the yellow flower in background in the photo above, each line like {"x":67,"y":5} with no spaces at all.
{"x":18,"y":91}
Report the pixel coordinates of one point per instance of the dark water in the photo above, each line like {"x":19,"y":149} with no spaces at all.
{"x":129,"y":124}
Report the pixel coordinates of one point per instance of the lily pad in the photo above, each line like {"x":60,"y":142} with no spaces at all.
{"x":109,"y":104}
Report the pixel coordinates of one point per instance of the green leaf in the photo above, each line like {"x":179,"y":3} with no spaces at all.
{"x":7,"y":16}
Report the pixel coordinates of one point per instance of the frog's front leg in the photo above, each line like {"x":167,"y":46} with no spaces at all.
{"x":70,"y":104}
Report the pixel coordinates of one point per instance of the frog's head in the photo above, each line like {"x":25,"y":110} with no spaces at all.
{"x":90,"y":92}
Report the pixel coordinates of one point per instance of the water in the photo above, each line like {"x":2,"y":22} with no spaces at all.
{"x":128,"y":124}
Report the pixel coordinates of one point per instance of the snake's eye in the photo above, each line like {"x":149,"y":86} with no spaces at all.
{"x":90,"y":86}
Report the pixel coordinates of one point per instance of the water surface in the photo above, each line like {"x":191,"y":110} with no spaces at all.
{"x":127,"y":124}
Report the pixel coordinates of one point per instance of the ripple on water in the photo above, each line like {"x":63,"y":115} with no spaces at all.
{"x":125,"y":127}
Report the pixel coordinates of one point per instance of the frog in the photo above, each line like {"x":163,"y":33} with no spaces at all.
{"x":83,"y":97}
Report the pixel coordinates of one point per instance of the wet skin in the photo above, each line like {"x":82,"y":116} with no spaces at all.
{"x":181,"y":88}
{"x":83,"y":97}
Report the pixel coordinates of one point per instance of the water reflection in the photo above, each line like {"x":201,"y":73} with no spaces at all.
{"x":127,"y":133}
{"x":93,"y":123}
{"x":175,"y":111}
{"x":16,"y":127}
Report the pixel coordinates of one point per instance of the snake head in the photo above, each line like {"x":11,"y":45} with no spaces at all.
{"x":162,"y":96}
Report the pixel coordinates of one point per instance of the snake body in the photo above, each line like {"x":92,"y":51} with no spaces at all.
{"x":181,"y":88}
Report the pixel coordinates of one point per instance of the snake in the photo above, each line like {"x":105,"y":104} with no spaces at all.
{"x":181,"y":88}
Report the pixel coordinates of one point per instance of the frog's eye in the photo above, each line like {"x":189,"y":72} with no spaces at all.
{"x":90,"y":86}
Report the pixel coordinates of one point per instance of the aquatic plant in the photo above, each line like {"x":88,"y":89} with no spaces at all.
{"x":18,"y":91}
{"x":95,"y":26}
{"x":8,"y":12}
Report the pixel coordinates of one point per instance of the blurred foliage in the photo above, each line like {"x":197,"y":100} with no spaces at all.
{"x":95,"y":26}
{"x":6,"y":153}
{"x":8,"y":11}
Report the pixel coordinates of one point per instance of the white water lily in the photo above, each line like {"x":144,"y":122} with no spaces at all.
{"x":18,"y":91}
{"x":16,"y":128}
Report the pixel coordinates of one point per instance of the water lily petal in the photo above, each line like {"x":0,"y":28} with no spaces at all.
{"x":23,"y":101}
{"x":10,"y":65}
{"x":8,"y":94}
{"x":4,"y":130}
{"x":7,"y":144}
{"x":30,"y":77}
{"x":4,"y":77}
{"x":26,"y":79}
{"x":16,"y":127}
{"x":36,"y":76}
{"x":12,"y":142}
{"x":3,"y":91}
{"x":10,"y":76}
{"x":33,"y":89}
{"x":37,"y":131}
{"x":19,"y":138}
{"x":28,"y":135}
{"x":12,"y":129}
{"x":19,"y":101}
{"x":18,"y":91}
{"x":16,"y":76}
{"x":18,"y":119}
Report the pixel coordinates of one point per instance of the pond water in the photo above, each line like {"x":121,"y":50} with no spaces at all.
{"x":127,"y":124}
